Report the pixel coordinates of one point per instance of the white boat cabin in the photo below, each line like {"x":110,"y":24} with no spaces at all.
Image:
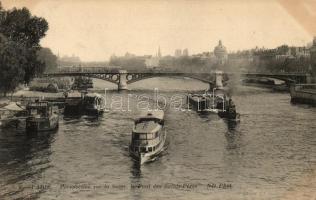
{"x":40,"y":109}
{"x":146,"y":134}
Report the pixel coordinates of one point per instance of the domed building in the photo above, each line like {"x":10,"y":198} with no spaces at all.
{"x":221,"y":53}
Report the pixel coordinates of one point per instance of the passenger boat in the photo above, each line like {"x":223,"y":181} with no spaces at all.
{"x":148,"y":137}
{"x":41,"y":116}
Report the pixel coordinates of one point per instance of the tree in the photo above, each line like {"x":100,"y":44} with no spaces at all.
{"x":46,"y":56}
{"x":20,"y":36}
{"x":19,"y":26}
{"x":11,"y":65}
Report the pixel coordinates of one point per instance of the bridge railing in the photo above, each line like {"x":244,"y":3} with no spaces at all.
{"x":115,"y":69}
{"x":109,"y":70}
{"x":86,"y":70}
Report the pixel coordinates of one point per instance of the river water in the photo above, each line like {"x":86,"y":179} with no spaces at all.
{"x":269,"y":154}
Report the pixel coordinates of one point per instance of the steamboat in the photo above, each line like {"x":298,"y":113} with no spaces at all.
{"x":148,"y":137}
{"x":217,"y":101}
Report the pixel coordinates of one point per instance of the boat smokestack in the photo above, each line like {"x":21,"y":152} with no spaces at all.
{"x":219,"y":79}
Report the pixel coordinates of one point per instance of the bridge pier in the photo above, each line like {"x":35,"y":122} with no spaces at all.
{"x":122,"y":84}
{"x":309,"y":78}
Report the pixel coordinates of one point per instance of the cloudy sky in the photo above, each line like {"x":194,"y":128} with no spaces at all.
{"x":96,"y":29}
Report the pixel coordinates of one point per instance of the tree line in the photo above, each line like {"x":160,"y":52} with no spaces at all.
{"x":21,"y":56}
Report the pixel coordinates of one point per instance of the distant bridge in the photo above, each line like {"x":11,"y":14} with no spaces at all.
{"x":123,"y":77}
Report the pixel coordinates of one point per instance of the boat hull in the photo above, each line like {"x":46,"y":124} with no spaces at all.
{"x":79,"y":106}
{"x":39,"y":125}
{"x":92,"y":111}
{"x":143,"y":158}
{"x":229,"y":115}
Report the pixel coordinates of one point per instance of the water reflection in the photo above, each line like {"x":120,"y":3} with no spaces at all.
{"x":232,"y":124}
{"x":23,"y":157}
{"x":232,"y":133}
{"x":136,"y":169}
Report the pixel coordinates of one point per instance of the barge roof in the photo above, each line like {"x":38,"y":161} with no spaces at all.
{"x":148,"y":122}
{"x":154,"y":114}
{"x":147,"y":127}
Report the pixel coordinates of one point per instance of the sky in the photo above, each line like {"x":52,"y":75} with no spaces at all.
{"x":96,"y":29}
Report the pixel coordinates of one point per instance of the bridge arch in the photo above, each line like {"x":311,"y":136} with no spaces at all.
{"x":140,"y":77}
{"x":112,"y":78}
{"x":122,"y":78}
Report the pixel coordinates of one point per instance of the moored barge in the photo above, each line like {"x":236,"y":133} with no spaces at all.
{"x":41,"y":116}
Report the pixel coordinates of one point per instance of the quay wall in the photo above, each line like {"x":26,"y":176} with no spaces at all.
{"x":303,"y":93}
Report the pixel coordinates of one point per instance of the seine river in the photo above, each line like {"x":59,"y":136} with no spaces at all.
{"x":270,"y":154}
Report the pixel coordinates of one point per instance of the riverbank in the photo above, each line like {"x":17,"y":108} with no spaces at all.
{"x":303,"y":93}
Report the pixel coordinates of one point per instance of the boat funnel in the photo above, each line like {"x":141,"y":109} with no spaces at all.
{"x":219,"y":79}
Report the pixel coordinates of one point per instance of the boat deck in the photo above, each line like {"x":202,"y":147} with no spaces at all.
{"x":147,"y":127}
